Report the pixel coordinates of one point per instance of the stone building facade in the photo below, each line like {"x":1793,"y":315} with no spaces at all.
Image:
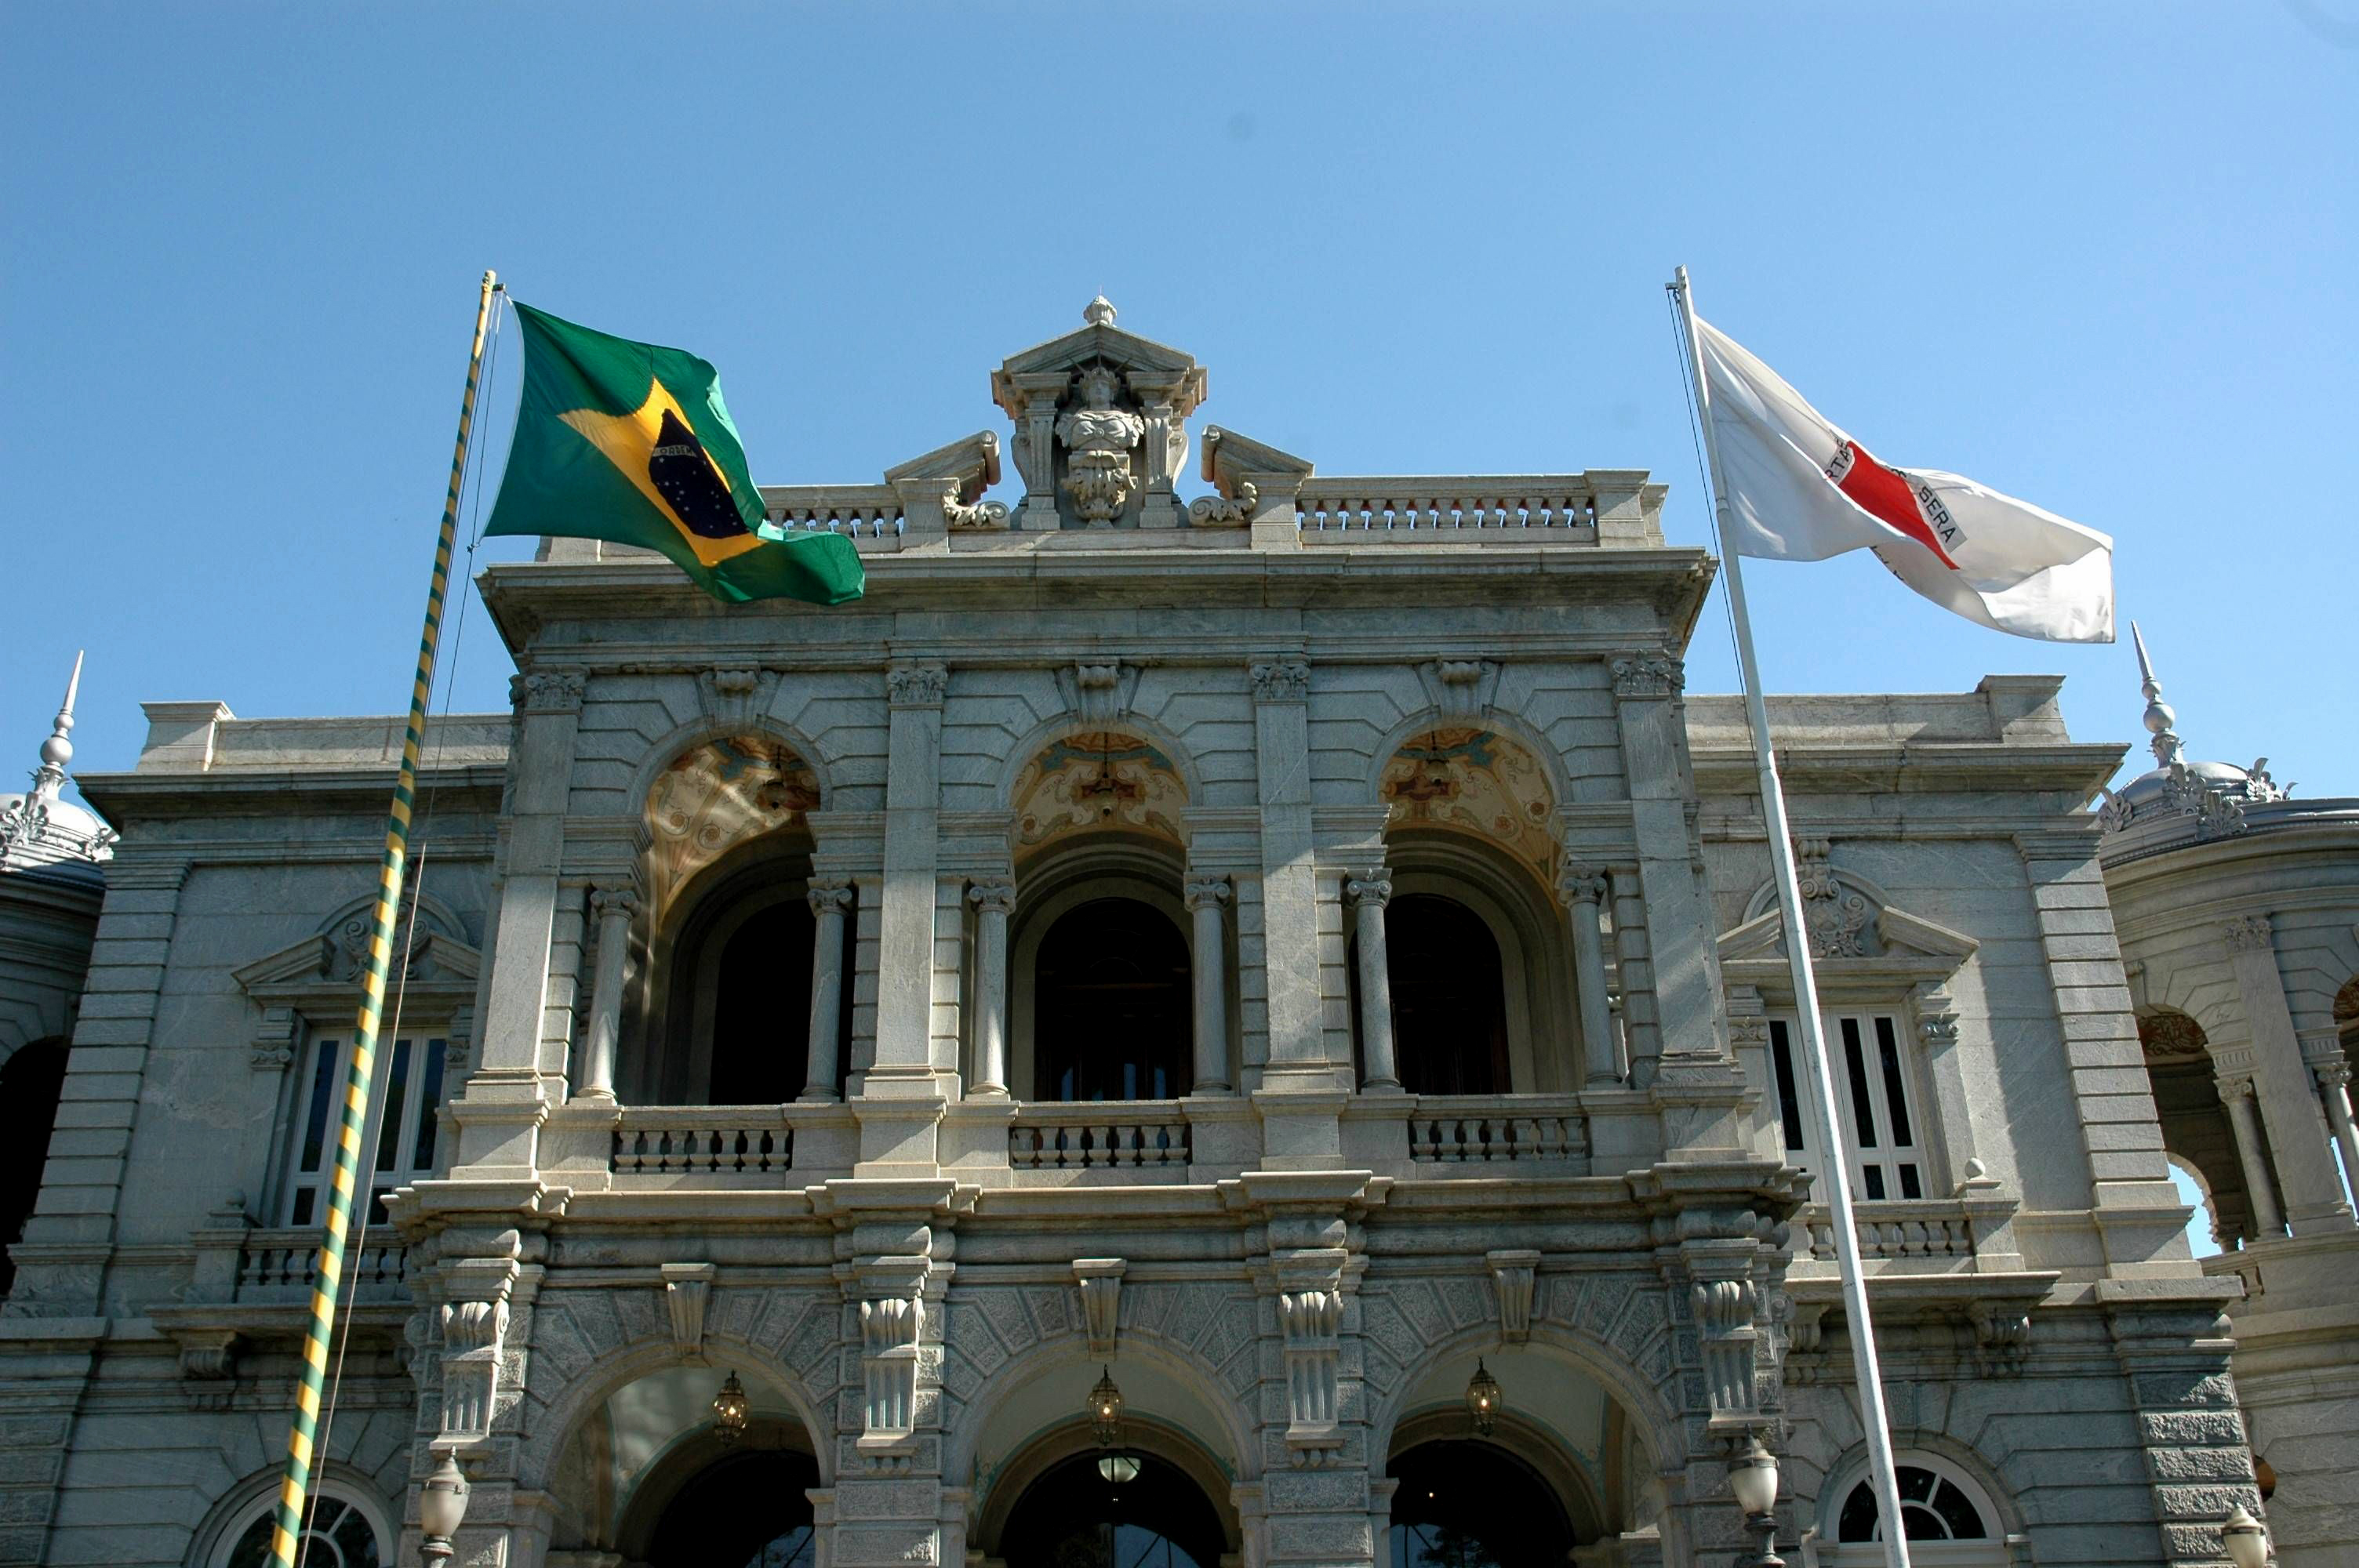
{"x":1290,"y":955}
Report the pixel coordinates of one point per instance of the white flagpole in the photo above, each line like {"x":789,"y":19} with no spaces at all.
{"x":1836,"y":1178}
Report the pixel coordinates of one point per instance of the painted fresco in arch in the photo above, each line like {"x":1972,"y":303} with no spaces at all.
{"x":1098,"y":778}
{"x":717,"y":795}
{"x":1477,"y":781}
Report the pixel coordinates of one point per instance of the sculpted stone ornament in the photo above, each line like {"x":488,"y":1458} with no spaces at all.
{"x":1099,"y":438}
{"x":1224,"y":512}
{"x":1281,"y":680}
{"x":1834,"y":914}
{"x":1649,"y":674}
{"x":918,"y":683}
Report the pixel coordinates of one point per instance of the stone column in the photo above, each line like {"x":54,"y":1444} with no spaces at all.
{"x":2238,"y":1094}
{"x":2282,"y":1084}
{"x":613,"y":907}
{"x":1205,"y":897}
{"x":830,"y":901}
{"x":1581,"y":888}
{"x":993,"y":902}
{"x":1647,"y":687}
{"x":1290,"y":880}
{"x":2334,"y":1090}
{"x":1368,"y":894}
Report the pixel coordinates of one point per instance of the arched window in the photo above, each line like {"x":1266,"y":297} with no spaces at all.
{"x":1110,"y":1005}
{"x":1473,"y":1505}
{"x":31,"y":1083}
{"x":341,"y":1530}
{"x":1938,"y":1503}
{"x":1113,"y":1510}
{"x":1450,"y":1019}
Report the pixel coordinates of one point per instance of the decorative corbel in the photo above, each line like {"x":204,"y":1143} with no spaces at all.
{"x":1101,"y":1284}
{"x":1724,"y":1330}
{"x":1512,"y":1277}
{"x":1099,"y":690}
{"x":688,"y":1289}
{"x":2002,"y":1336}
{"x":473,"y":1334}
{"x":1460,"y":688}
{"x":735,"y":694}
{"x":272,"y":1049}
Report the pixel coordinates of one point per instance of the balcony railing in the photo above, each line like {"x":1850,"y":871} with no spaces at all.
{"x":276,"y":1267}
{"x":749,"y":1141}
{"x":1100,"y":1135}
{"x":1478,"y":1130}
{"x":1935,"y":1232}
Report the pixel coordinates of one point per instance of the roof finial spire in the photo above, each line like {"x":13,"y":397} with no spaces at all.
{"x":2159,"y":716}
{"x":58,"y":750}
{"x":1099,"y":312}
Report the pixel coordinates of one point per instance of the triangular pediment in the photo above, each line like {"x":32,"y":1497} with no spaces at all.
{"x":1231,"y":459}
{"x":1854,"y":929}
{"x":321,"y":967}
{"x":300,"y":963}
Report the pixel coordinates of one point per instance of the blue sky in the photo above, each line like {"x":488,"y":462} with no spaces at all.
{"x":2100,"y":256}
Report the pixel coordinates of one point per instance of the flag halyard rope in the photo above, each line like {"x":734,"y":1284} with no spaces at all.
{"x":285,"y":1532}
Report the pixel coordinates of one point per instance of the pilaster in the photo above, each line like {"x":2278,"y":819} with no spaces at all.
{"x":2300,"y":1140}
{"x":1647,"y":687}
{"x":904,"y":1089}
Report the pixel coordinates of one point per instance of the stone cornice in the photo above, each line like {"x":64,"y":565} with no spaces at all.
{"x":130,"y":797}
{"x":2071,"y":770}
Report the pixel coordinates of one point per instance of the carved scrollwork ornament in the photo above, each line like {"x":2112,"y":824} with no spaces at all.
{"x":828,"y":897}
{"x":1373,"y":889}
{"x":1207,"y":891}
{"x":916,"y":683}
{"x":1649,"y":674}
{"x":1224,"y":512}
{"x":1281,"y":680}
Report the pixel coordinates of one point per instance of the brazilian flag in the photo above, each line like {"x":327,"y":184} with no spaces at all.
{"x":631,"y":443}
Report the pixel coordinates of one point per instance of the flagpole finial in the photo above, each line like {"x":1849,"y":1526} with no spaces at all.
{"x":2160,"y":716}
{"x":57,"y":750}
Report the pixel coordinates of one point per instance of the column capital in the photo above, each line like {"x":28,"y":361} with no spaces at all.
{"x":2334,"y":1075}
{"x":831,"y":895}
{"x":613,"y":901}
{"x":1371,"y":889}
{"x":1202,"y":892}
{"x":2233,"y":1087}
{"x":1579,"y":884}
{"x":916,"y":682}
{"x":1648,"y":673}
{"x":995,"y":896}
{"x":2246,"y":934}
{"x":1281,"y":678}
{"x":547,"y":691}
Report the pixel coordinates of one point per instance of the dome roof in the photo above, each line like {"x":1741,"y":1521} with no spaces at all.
{"x":41,"y":830}
{"x":2203,"y":799}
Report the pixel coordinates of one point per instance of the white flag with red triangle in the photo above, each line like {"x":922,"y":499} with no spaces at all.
{"x":1802,"y":490}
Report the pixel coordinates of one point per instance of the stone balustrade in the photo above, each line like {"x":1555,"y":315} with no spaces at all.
{"x":1128,"y":1135}
{"x":1482,"y":1130}
{"x":275,"y":1267}
{"x":861,"y":510}
{"x":703,"y":1141}
{"x":1935,"y":1232}
{"x":1519,"y":504}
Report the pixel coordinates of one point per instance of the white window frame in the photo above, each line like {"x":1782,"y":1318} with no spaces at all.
{"x":416,"y":1064}
{"x":267,"y":1507}
{"x":1883,"y":1168}
{"x":1994,"y":1550}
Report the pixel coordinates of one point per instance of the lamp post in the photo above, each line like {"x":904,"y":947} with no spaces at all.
{"x":1753,"y":1477}
{"x":2244,"y":1540}
{"x":441,"y":1506}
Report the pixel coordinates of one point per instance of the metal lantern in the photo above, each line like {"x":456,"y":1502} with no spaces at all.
{"x":729,"y":1410}
{"x":1483,"y":1398}
{"x":1105,"y":1410}
{"x":2244,"y":1540}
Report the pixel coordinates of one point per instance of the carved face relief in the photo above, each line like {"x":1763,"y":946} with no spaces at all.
{"x":1100,"y":778}
{"x":717,"y":795}
{"x":1478,"y":781}
{"x":1099,"y":438}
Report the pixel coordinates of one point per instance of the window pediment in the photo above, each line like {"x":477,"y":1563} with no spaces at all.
{"x":1854,"y":932}
{"x":325,"y":969}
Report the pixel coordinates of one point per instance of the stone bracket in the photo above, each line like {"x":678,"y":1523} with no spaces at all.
{"x":688,"y":1291}
{"x":1101,"y":1285}
{"x":1512,"y":1278}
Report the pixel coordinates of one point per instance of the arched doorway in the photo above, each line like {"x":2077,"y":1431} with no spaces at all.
{"x":31,"y":1083}
{"x":1111,"y":1005}
{"x":746,"y":1511}
{"x":1464,"y":1503}
{"x":1450,"y":1016}
{"x":1112,"y":1508}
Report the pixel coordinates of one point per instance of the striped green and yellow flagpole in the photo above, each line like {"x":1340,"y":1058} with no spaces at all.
{"x":327,"y":1284}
